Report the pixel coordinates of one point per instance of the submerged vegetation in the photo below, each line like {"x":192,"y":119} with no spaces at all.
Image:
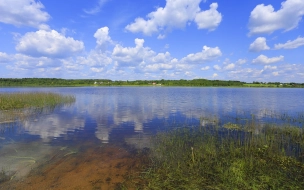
{"x":232,"y":156}
{"x":16,"y":106}
{"x":107,"y":82}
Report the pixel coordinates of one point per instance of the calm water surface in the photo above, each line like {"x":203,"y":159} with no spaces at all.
{"x":129,"y":115}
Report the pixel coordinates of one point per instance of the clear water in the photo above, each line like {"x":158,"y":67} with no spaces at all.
{"x":129,"y":115}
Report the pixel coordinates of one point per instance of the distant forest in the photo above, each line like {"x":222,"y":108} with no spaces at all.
{"x":106,"y":82}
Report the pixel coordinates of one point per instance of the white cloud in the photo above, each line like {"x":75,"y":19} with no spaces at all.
{"x":205,"y":68}
{"x":132,"y":55}
{"x":207,"y":54}
{"x":157,"y":67}
{"x":217,"y":67}
{"x":229,"y":66}
{"x":97,"y":70}
{"x":275,"y":73}
{"x":160,"y":36}
{"x":291,"y":44}
{"x":4,"y":57}
{"x":262,"y":59}
{"x":264,"y":19}
{"x":95,"y":58}
{"x":27,"y":62}
{"x":215,"y":75}
{"x":142,"y":58}
{"x":176,"y":14}
{"x":241,"y":61}
{"x":49,"y":44}
{"x":209,"y":19}
{"x":161,"y":58}
{"x":23,"y":13}
{"x":97,"y":8}
{"x":258,"y":45}
{"x":268,"y":67}
{"x":102,"y":36}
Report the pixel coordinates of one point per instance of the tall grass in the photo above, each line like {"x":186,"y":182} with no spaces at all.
{"x":227,"y":157}
{"x":29,"y":100}
{"x":16,"y":106}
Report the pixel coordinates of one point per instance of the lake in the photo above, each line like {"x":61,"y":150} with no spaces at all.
{"x":109,"y":122}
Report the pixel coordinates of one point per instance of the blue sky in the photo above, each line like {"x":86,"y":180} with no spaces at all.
{"x":255,"y":40}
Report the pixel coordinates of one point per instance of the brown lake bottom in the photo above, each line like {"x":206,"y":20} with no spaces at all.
{"x":104,"y":167}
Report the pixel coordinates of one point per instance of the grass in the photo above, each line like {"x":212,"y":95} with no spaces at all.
{"x":29,"y":100}
{"x":232,"y":156}
{"x":16,"y":106}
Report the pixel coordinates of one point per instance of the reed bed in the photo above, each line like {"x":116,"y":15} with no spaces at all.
{"x":29,"y":100}
{"x":19,"y":106}
{"x":230,"y":156}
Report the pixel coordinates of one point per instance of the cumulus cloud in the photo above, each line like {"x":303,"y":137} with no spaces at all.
{"x":49,"y":44}
{"x":262,"y":59}
{"x":207,"y":54}
{"x":131,"y":55}
{"x":291,"y":44}
{"x":217,"y":67}
{"x":205,"y":68}
{"x":95,"y":58}
{"x":265,"y":20}
{"x":229,"y":66}
{"x":4,"y":57}
{"x":209,"y":19}
{"x":258,"y":45}
{"x":97,"y":70}
{"x":275,"y":73}
{"x":268,"y":67}
{"x":176,"y":14}
{"x":241,"y":61}
{"x":102,"y":36}
{"x":22,"y":61}
{"x":24,"y":13}
{"x":215,"y":75}
{"x":157,"y":67}
{"x":161,"y":61}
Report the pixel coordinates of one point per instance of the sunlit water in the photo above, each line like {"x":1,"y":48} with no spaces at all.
{"x":128,"y":116}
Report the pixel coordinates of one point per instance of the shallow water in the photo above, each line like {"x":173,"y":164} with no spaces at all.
{"x":70,"y":141}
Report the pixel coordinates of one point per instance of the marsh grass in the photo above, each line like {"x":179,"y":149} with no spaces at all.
{"x":233,"y":156}
{"x":12,"y":101}
{"x":20,"y":106}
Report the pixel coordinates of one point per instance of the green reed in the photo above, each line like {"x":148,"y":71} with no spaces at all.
{"x":232,"y":156}
{"x":34,"y":99}
{"x":19,"y":106}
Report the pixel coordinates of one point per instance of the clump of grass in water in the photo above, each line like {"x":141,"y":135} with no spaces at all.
{"x":229,"y":157}
{"x":29,"y":100}
{"x":14,"y":106}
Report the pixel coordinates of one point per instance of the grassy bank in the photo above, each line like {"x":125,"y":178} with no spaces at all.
{"x":227,"y":157}
{"x":14,"y":106}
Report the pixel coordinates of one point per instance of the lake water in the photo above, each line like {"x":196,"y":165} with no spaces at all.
{"x":109,"y":119}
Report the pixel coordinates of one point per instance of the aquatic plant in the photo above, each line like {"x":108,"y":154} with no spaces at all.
{"x":20,"y":106}
{"x":227,"y":157}
{"x":12,"y":101}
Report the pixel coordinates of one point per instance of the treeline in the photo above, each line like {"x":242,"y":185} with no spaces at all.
{"x":107,"y":82}
{"x":182,"y":82}
{"x":48,"y":82}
